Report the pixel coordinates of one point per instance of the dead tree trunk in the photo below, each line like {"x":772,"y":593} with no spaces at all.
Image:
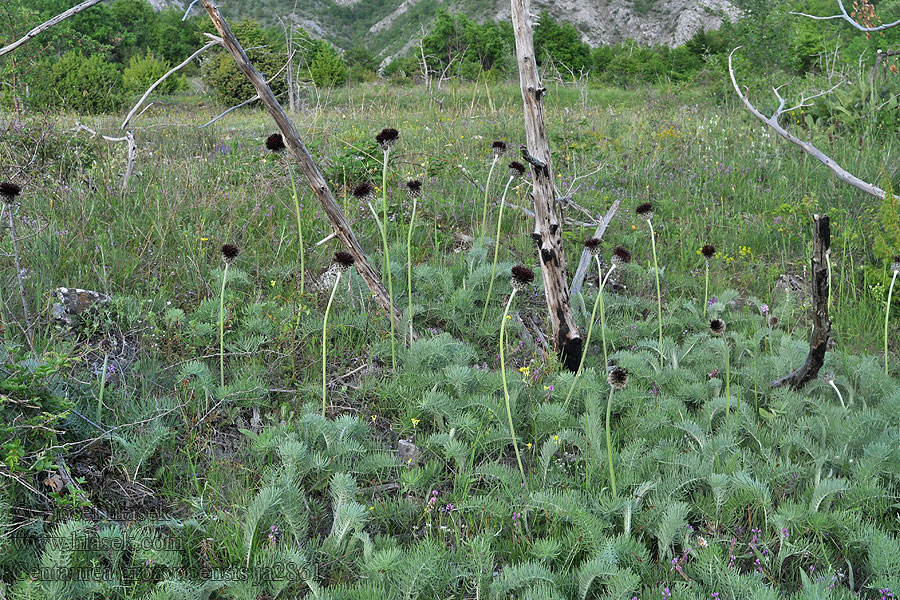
{"x":298,"y":150}
{"x":818,"y":341}
{"x":547,"y":228}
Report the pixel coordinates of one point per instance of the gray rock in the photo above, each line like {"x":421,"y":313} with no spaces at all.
{"x":408,"y":453}
{"x":73,"y":302}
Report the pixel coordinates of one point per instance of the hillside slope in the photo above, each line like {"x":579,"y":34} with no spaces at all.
{"x":387,"y":26}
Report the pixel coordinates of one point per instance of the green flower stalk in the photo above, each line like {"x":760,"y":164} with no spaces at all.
{"x":522,"y":277}
{"x":620,"y":257}
{"x":414,"y":189}
{"x":275,"y":143}
{"x":618,"y":379}
{"x":386,"y":139}
{"x":895,"y":267}
{"x":516,"y":169}
{"x":645,"y":211}
{"x":299,"y":230}
{"x":828,"y":377}
{"x":106,"y":347}
{"x":342,"y":262}
{"x":708,"y":251}
{"x":229,"y":253}
{"x":717,"y":328}
{"x":498,"y":148}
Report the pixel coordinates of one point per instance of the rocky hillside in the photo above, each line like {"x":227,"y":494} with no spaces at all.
{"x":387,"y":26}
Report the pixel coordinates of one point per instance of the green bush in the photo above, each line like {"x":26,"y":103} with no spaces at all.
{"x":327,"y":68}
{"x":143,"y":71}
{"x":86,"y":85}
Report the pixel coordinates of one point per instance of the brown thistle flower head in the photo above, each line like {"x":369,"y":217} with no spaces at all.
{"x":343,"y":260}
{"x":387,"y":138}
{"x":516,"y":169}
{"x":773,"y":321}
{"x":708,"y":251}
{"x":522,"y":277}
{"x":895,"y":266}
{"x":275,"y":142}
{"x":499,"y":147}
{"x":229,"y":253}
{"x":617,"y":378}
{"x":593,"y":246}
{"x":644,"y":211}
{"x":364,"y":192}
{"x":9,"y":191}
{"x":620,"y":256}
{"x":414,"y":188}
{"x":717,"y":326}
{"x":828,"y":377}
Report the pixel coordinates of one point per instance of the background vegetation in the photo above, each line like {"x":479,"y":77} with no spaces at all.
{"x":117,"y":435}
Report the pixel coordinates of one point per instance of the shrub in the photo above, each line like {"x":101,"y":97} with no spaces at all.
{"x":143,"y":71}
{"x":327,"y":68}
{"x":87,"y":85}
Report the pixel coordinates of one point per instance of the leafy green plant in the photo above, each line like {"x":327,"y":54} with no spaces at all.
{"x":144,"y":71}
{"x":86,"y":85}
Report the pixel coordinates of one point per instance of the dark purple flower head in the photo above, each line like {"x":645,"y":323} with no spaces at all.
{"x":364,"y":191}
{"x":229,"y":253}
{"x":621,"y":256}
{"x":414,"y":188}
{"x":499,"y":147}
{"x":717,"y":326}
{"x":516,"y":169}
{"x":895,"y":266}
{"x":592,"y":245}
{"x":387,"y":138}
{"x":708,"y":251}
{"x":343,"y":259}
{"x":522,"y":277}
{"x":9,"y":191}
{"x":617,"y":378}
{"x":644,"y":211}
{"x":275,"y":142}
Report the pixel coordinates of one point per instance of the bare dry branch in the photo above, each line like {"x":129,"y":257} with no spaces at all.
{"x":772,"y":122}
{"x":846,"y":17}
{"x":214,"y":41}
{"x":48,"y":24}
{"x":585,"y":260}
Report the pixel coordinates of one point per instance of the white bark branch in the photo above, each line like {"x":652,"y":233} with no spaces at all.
{"x":845,"y":16}
{"x":585,"y":261}
{"x":215,"y":41}
{"x":772,"y":122}
{"x":48,"y":24}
